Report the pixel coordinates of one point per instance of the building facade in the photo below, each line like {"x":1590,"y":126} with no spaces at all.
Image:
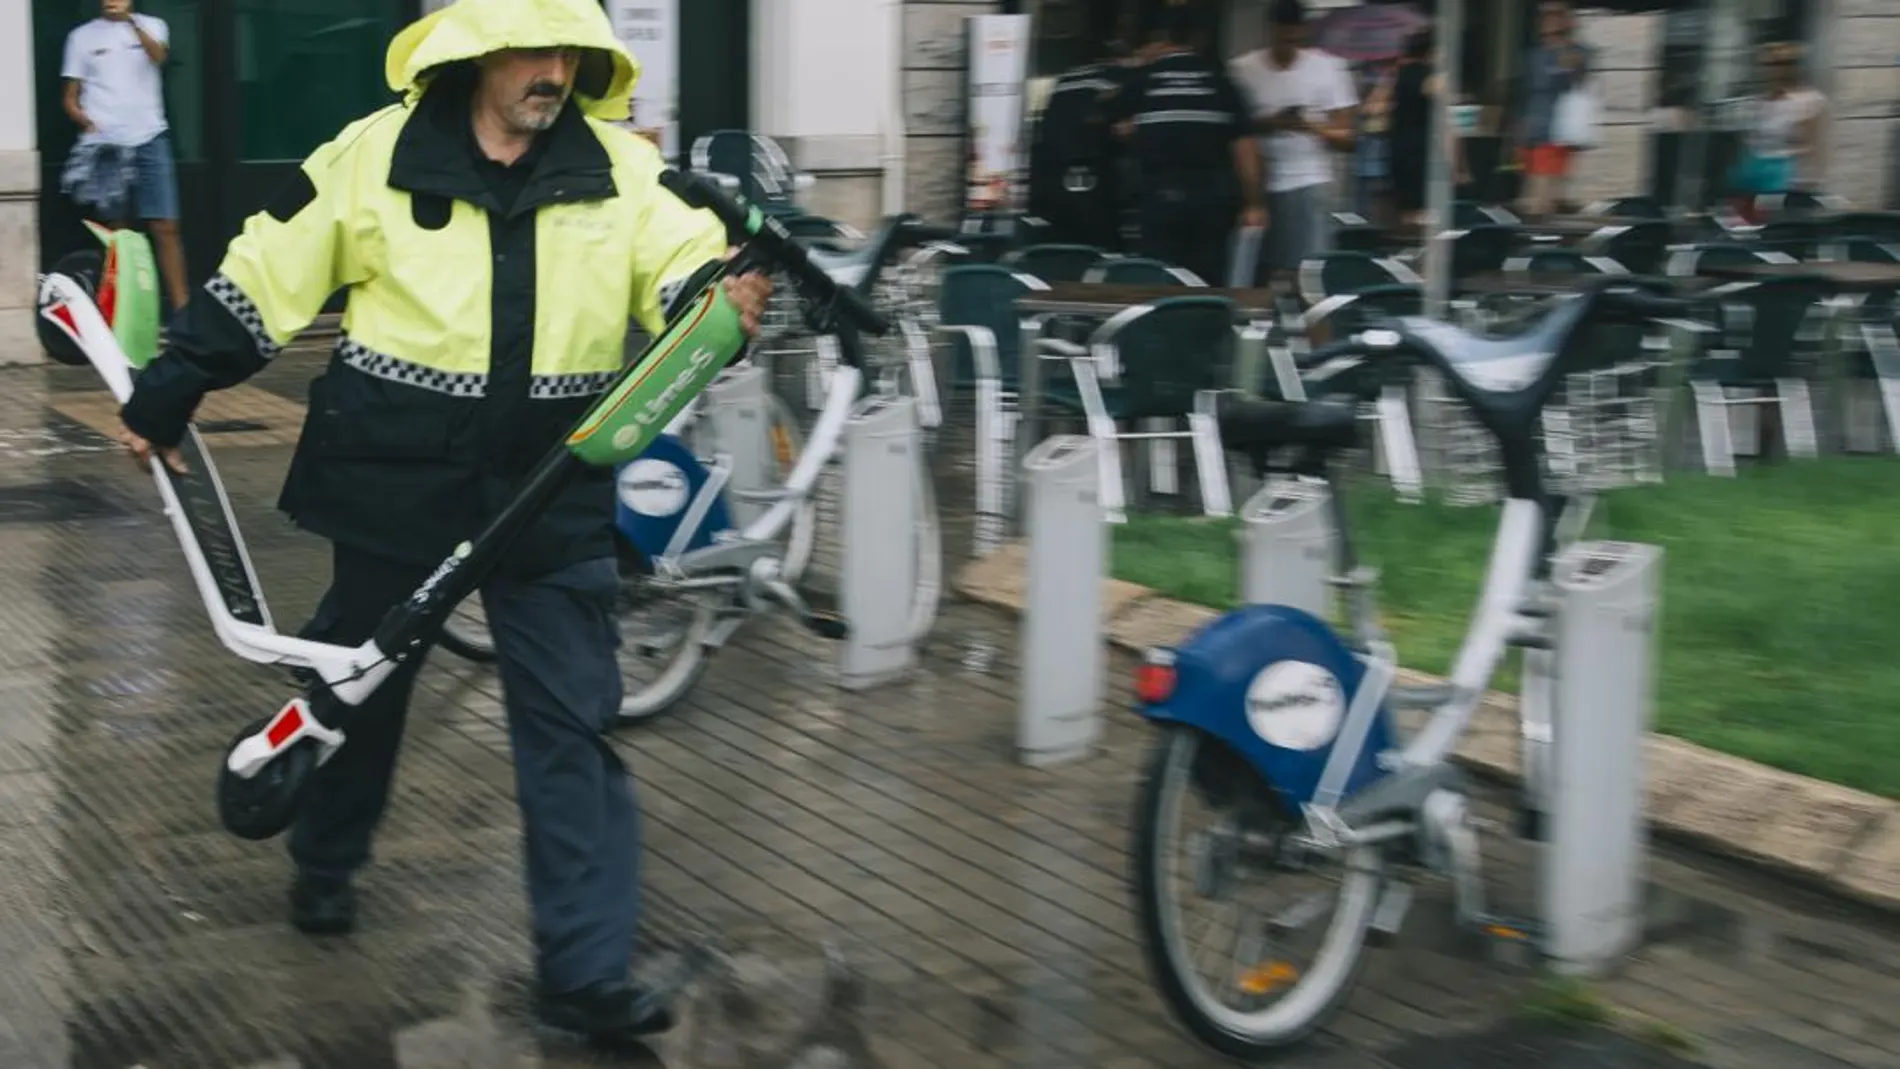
{"x":868,"y":96}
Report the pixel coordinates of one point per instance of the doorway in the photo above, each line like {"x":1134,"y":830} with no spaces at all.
{"x":251,"y":87}
{"x":715,"y":60}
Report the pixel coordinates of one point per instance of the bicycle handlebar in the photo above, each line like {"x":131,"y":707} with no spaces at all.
{"x":773,"y":242}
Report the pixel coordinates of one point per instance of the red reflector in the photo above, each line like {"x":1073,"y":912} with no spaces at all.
{"x":1154,"y":682}
{"x":288,"y":723}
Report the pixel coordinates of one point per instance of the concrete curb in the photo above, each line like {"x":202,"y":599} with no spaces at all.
{"x":1844,"y":840}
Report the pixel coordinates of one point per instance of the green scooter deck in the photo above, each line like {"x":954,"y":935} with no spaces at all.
{"x":680,"y":363}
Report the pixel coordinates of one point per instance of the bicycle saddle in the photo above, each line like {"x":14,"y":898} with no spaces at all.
{"x":1248,"y":426}
{"x":858,"y":268}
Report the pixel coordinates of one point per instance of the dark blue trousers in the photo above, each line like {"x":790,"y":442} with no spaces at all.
{"x":556,"y":642}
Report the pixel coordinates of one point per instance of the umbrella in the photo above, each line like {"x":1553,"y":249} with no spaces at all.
{"x":1368,"y":32}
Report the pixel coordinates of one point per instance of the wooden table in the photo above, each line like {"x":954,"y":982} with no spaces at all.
{"x":1105,"y":299}
{"x":1836,"y":276}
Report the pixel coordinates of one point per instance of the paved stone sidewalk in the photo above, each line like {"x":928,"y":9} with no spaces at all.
{"x":977,"y":912}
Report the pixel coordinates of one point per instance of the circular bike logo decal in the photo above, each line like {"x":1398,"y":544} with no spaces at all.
{"x":1295,"y":705}
{"x":653,"y":487}
{"x":625,"y":436}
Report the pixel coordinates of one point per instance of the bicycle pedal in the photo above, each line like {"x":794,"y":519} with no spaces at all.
{"x":827,"y":625}
{"x":1509,"y":942}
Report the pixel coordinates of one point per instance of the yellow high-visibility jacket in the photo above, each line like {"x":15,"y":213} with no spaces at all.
{"x":475,"y":331}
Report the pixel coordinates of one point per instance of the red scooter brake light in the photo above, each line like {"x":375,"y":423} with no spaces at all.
{"x":1154,"y":679}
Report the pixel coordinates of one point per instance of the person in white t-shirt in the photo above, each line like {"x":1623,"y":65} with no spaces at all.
{"x":1303,"y":101}
{"x":114,"y":95}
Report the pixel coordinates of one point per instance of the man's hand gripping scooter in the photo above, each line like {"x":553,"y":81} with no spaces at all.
{"x":268,"y":764}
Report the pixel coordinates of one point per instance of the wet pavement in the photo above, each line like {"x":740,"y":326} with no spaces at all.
{"x":881,"y":884}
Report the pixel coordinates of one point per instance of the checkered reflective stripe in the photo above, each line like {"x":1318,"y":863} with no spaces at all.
{"x":227,"y":293}
{"x":383,"y":366}
{"x":669,"y":291}
{"x":584,"y":384}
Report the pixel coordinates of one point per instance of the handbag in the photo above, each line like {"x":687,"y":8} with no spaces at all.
{"x":1574,"y":122}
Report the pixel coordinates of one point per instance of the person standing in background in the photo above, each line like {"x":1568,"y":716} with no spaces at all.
{"x":1414,"y":122}
{"x":1372,"y":153}
{"x":1072,"y":166}
{"x":114,"y":95}
{"x":1785,"y":135}
{"x":1557,"y":64}
{"x":1187,"y":129}
{"x":1303,"y":100}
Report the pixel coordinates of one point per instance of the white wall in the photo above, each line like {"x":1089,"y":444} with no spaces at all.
{"x":16,"y":77}
{"x":823,"y":72}
{"x":19,"y":186}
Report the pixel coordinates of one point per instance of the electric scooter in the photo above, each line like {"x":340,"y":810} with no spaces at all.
{"x":269,"y":763}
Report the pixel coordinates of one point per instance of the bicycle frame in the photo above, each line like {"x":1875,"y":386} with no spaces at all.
{"x":678,"y":563}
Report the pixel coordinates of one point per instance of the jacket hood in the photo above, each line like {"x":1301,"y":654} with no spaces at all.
{"x":469,"y":29}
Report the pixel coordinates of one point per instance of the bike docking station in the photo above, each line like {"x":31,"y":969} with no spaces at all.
{"x":1063,"y":650}
{"x":889,"y":575}
{"x":1586,"y":706}
{"x":737,"y":435}
{"x":1286,"y":547}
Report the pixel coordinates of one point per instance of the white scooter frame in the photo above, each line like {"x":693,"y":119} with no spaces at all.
{"x":236,"y":605}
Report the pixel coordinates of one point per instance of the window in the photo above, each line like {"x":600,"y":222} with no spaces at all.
{"x":307,"y":68}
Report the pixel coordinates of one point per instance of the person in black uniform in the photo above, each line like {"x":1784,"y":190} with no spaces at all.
{"x":1072,"y":165}
{"x":1189,"y":134}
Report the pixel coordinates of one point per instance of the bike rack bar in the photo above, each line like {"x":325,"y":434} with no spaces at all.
{"x":878,"y":578}
{"x":1064,"y":656}
{"x":1287,"y":547}
{"x":1603,"y":694}
{"x":736,"y":425}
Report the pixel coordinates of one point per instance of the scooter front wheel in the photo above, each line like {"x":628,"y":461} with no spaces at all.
{"x":264,"y":805}
{"x":1288,"y":963}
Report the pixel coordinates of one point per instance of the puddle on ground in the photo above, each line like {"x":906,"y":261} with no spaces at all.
{"x":1518,"y":1044}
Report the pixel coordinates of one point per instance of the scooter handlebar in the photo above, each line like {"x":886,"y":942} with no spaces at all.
{"x":773,"y":242}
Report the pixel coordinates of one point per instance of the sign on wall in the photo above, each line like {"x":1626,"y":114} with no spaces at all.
{"x":998,"y":73}
{"x":650,"y":30}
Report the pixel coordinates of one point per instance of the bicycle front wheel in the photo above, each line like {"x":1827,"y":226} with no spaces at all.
{"x":1288,"y":964}
{"x":465,"y":633}
{"x":663,"y":651}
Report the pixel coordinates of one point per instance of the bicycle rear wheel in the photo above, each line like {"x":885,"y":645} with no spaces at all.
{"x":1270,"y":995}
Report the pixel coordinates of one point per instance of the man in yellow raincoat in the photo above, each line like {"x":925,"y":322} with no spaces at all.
{"x":494,"y":232}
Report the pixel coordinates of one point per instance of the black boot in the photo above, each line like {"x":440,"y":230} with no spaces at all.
{"x":607,"y":1012}
{"x":322,"y":906}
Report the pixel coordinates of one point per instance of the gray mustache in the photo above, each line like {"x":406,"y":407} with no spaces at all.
{"x":544,"y":89}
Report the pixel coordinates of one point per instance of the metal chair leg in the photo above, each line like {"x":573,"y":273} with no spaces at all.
{"x":1711,"y":416}
{"x":1797,"y":417}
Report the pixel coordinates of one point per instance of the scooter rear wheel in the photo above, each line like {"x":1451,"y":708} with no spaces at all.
{"x":264,"y":805}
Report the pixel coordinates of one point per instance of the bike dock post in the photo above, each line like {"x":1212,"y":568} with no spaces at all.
{"x":877,"y":582}
{"x":1286,"y":555}
{"x":1602,"y":704}
{"x":1063,"y":650}
{"x":735,"y":408}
